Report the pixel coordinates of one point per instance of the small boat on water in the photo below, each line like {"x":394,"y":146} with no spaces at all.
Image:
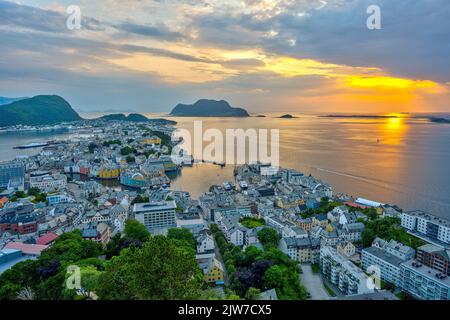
{"x":32,"y":145}
{"x":228,"y":186}
{"x":243,"y":185}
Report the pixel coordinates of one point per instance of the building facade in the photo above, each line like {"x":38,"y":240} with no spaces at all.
{"x":158,"y":217}
{"x":49,"y":182}
{"x":11,"y":171}
{"x":424,"y":283}
{"x":434,"y":257}
{"x":342,"y":273}
{"x":427,"y":225}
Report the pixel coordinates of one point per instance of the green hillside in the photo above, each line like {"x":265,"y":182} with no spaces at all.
{"x":39,"y":110}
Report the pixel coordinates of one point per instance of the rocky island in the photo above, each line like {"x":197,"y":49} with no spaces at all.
{"x":287,"y":116}
{"x":208,"y":108}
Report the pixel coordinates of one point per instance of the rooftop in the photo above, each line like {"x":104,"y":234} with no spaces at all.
{"x":429,"y":217}
{"x":47,"y":238}
{"x":154,"y":206}
{"x":27,"y":249}
{"x":427,"y":272}
{"x":393,"y":260}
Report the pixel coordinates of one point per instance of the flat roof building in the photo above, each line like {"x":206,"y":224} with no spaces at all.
{"x":9,"y":171}
{"x":158,"y":217}
{"x":427,"y":225}
{"x":423,"y":282}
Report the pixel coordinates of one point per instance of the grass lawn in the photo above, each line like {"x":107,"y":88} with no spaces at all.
{"x":329,"y":290}
{"x":252,"y":223}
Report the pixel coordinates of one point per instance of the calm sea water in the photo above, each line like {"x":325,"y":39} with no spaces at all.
{"x":397,"y":161}
{"x":9,"y":140}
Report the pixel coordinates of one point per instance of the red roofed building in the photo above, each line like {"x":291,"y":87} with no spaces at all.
{"x":27,"y":249}
{"x":3,"y":201}
{"x":47,"y":239}
{"x":355,"y":205}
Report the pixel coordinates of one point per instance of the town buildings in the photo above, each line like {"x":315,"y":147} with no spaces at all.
{"x":303,"y":250}
{"x":387,"y":258}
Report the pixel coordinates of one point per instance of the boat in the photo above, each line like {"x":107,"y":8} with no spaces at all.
{"x":228,"y":186}
{"x":243,"y":185}
{"x":32,"y":145}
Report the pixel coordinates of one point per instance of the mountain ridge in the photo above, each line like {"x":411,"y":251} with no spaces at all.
{"x":7,"y":100}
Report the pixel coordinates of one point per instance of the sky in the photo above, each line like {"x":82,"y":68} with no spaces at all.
{"x":263,"y":55}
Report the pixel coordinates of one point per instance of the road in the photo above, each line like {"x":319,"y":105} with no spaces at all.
{"x":313,"y":283}
{"x":219,"y":257}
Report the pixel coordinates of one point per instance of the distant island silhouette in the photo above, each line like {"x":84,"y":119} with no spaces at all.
{"x":208,"y":108}
{"x":287,"y":116}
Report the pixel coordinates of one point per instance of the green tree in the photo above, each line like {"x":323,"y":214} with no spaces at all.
{"x":136,"y":231}
{"x":250,"y":254}
{"x":20,"y":194}
{"x":125,"y":151}
{"x":89,"y":279}
{"x":182,"y":234}
{"x":34,"y":191}
{"x":268,"y":237}
{"x":367,"y":237}
{"x":159,"y":270}
{"x":183,"y":238}
{"x":253,"y":294}
{"x":140,"y":199}
{"x":273,"y":278}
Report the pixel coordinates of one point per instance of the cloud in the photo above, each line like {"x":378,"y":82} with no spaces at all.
{"x":151,"y":31}
{"x":259,"y":53}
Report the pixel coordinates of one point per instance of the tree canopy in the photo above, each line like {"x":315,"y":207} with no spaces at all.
{"x":268,"y":237}
{"x":159,"y":270}
{"x":134,"y":230}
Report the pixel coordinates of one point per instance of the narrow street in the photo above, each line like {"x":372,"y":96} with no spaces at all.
{"x":219,"y":257}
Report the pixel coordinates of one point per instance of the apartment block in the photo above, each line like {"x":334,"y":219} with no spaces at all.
{"x":342,"y":273}
{"x":424,"y":283}
{"x":427,"y":225}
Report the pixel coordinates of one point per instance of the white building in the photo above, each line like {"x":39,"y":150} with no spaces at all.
{"x":158,"y":217}
{"x":49,"y":183}
{"x":423,"y":282}
{"x":205,"y":243}
{"x":427,"y":225}
{"x":341,"y":272}
{"x":387,"y":256}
